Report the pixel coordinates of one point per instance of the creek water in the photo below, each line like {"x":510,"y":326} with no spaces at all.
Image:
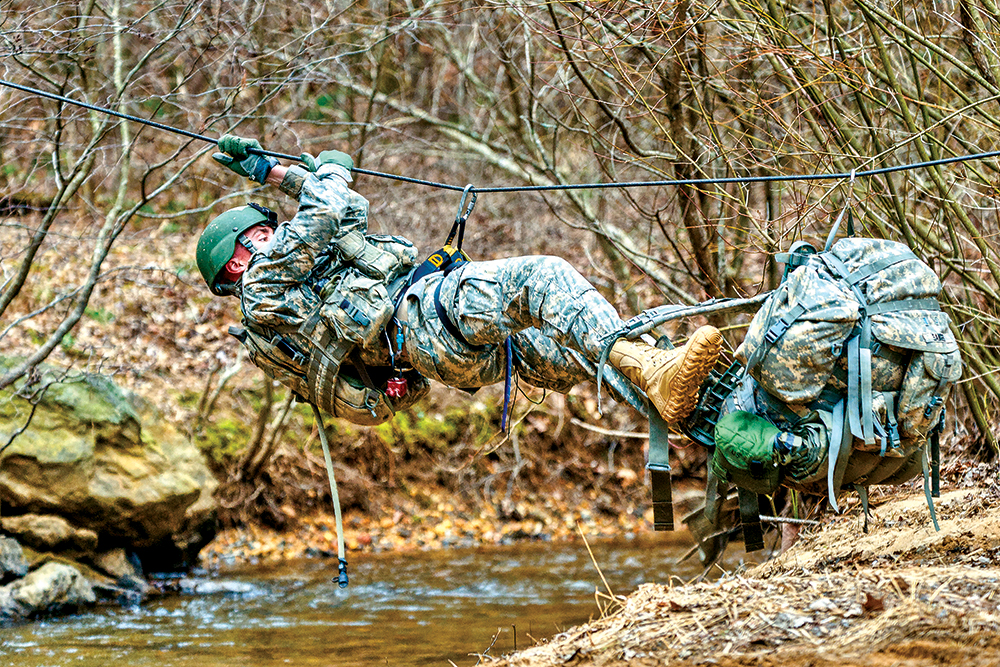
{"x":401,"y":609}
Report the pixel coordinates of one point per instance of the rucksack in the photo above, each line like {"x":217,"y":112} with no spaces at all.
{"x":854,"y":337}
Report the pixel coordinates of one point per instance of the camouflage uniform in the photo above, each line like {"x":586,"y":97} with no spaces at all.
{"x":555,"y":318}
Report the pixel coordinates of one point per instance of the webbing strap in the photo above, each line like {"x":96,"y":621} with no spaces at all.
{"x":838,"y":454}
{"x":753,"y":536}
{"x":935,"y":444}
{"x":447,"y":322}
{"x":873,"y":268}
{"x":892,"y":441}
{"x":865,"y":364}
{"x":863,"y":494}
{"x":659,"y":470}
{"x":902,"y":304}
{"x":774,"y":332}
{"x":854,"y":385}
{"x":927,"y":486}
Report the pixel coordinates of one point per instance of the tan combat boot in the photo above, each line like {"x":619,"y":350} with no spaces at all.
{"x":670,"y":378}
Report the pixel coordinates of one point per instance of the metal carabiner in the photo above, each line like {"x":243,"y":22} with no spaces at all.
{"x":464,"y":210}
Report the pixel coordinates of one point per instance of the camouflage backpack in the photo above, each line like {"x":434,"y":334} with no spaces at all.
{"x":854,"y":337}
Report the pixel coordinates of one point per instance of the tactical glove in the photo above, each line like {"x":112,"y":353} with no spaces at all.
{"x":745,"y":452}
{"x":327,"y":157}
{"x":236,"y":156}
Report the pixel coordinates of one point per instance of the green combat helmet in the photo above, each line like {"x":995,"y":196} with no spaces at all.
{"x":218,"y":241}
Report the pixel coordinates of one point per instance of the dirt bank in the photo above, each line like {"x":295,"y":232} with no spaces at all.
{"x":901,"y":595}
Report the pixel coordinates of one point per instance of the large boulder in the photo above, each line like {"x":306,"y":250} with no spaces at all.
{"x":96,"y":461}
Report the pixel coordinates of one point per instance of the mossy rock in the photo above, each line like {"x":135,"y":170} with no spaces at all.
{"x":102,"y":459}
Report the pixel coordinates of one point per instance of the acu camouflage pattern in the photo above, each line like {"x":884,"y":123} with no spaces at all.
{"x":914,"y":364}
{"x":556,"y":320}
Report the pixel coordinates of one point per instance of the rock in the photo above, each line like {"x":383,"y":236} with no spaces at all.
{"x":50,"y":533}
{"x":105,"y":462}
{"x":127,"y":572}
{"x":209,"y":587}
{"x":12,"y":561}
{"x":54,"y":588}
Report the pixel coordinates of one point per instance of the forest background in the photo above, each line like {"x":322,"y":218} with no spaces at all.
{"x":100,"y":216}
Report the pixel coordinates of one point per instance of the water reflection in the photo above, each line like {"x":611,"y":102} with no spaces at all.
{"x":401,"y":609}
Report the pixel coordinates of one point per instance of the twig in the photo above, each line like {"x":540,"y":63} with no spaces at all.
{"x":605,"y":431}
{"x":594,"y":560}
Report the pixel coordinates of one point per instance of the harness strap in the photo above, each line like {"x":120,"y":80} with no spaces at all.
{"x":863,"y":494}
{"x":753,"y":536}
{"x":892,"y":425}
{"x":774,"y":332}
{"x":452,"y":328}
{"x":927,"y":487}
{"x":935,"y":443}
{"x":447,"y":322}
{"x":902,"y":304}
{"x":873,"y":268}
{"x":839,"y":453}
{"x":659,"y":471}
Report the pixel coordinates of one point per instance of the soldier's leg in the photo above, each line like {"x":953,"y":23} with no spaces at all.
{"x":488,"y":301}
{"x":542,"y":362}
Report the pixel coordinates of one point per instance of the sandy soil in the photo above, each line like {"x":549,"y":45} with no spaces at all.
{"x":903,"y":594}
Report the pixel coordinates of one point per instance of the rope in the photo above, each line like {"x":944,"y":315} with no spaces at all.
{"x":850,"y":175}
{"x":335,"y":497}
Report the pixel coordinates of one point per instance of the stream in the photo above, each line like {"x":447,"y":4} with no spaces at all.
{"x":425,"y":608}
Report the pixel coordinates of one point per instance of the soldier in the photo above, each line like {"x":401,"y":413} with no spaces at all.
{"x":349,"y":322}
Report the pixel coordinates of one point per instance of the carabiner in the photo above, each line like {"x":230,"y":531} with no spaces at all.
{"x":464,"y":210}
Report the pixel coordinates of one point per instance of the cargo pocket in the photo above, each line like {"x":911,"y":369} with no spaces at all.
{"x":356,"y":308}
{"x":926,"y":386}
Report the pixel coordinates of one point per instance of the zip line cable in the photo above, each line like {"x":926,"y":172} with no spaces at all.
{"x":853,"y":174}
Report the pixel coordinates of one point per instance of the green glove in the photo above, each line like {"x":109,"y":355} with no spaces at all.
{"x":236,"y":156}
{"x":745,"y":453}
{"x":327,"y":157}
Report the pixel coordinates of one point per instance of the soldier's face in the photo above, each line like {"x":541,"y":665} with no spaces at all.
{"x":260,"y":236}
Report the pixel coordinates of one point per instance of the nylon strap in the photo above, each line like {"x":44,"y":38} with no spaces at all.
{"x":839,"y":453}
{"x":873,"y":268}
{"x":447,"y":322}
{"x":935,"y":443}
{"x":927,"y":486}
{"x":865,"y":387}
{"x":659,"y":470}
{"x":890,"y":418}
{"x":774,"y":332}
{"x":863,"y":494}
{"x":753,"y":536}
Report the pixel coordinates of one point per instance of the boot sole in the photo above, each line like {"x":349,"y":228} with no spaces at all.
{"x":702,"y":352}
